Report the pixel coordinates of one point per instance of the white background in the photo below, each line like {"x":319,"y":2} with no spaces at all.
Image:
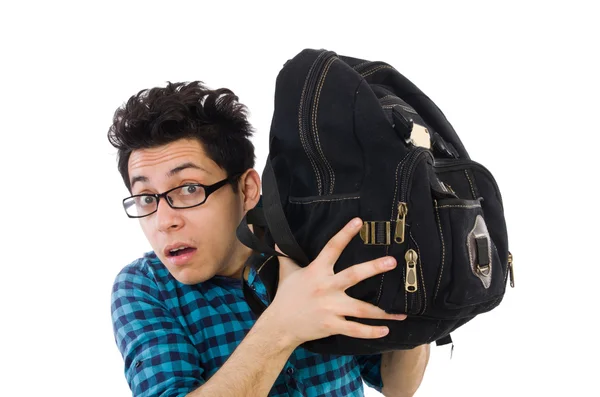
{"x":518,"y":81}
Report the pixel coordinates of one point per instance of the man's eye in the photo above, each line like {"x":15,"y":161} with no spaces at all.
{"x":190,"y":189}
{"x":146,"y":200}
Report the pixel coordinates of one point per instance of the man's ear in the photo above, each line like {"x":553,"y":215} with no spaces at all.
{"x":250,"y":189}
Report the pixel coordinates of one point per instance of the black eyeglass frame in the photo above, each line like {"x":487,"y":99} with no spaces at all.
{"x":208,"y":190}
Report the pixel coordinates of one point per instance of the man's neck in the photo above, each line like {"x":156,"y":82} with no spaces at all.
{"x":237,"y":261}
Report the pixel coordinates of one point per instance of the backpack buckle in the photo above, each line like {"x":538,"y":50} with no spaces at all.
{"x":376,"y":232}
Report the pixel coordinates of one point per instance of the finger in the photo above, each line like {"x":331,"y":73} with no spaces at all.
{"x":361,"y":309}
{"x":286,"y":265}
{"x":334,"y":247}
{"x":362,"y":331}
{"x":354,"y":274}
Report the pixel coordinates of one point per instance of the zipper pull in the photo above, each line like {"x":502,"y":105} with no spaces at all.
{"x":411,"y":270}
{"x":511,"y":271}
{"x":400,"y":222}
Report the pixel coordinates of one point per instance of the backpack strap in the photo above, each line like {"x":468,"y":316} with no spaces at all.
{"x":271,"y":216}
{"x":444,"y":340}
{"x":275,"y":218}
{"x":264,"y":258}
{"x":256,"y":215}
{"x":251,"y":240}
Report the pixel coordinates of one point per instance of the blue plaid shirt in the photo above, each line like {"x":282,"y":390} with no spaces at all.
{"x":173,"y":337}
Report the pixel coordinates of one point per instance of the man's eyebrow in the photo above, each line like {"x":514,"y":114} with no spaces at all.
{"x":138,"y":179}
{"x":171,"y":173}
{"x":183,"y":167}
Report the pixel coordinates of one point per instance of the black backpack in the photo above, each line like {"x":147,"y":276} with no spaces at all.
{"x":356,"y":138}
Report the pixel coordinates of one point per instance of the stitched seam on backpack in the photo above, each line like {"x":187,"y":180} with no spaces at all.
{"x":360,"y":64}
{"x":395,"y":189}
{"x":314,"y":122}
{"x":370,"y":72}
{"x":324,"y":201}
{"x":422,"y":277}
{"x":405,"y":293}
{"x":459,"y":206}
{"x":381,"y":285}
{"x":378,"y":68}
{"x":437,"y":213}
{"x":302,"y":138}
{"x":471,"y":184}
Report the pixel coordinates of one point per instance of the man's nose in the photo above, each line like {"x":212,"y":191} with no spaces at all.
{"x":167,"y":218}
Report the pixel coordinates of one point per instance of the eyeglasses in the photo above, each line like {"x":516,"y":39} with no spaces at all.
{"x":184,"y":196}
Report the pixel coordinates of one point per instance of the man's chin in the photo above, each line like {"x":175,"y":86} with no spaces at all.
{"x":189,"y":276}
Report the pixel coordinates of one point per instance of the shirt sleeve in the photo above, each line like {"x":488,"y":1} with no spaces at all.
{"x":160,"y":360}
{"x":370,"y":370}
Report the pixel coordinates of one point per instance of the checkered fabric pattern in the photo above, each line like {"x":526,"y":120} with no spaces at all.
{"x":173,"y":337}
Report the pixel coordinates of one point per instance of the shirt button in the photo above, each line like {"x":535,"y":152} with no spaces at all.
{"x":290,"y":371}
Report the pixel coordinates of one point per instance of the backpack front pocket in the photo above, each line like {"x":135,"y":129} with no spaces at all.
{"x":471,"y":271}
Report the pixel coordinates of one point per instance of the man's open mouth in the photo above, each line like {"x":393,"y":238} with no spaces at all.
{"x":180,"y":251}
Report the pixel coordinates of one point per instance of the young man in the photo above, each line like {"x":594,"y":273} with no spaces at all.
{"x":179,"y":316}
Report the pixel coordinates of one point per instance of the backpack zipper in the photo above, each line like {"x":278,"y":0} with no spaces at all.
{"x":413,"y":293}
{"x":400,"y":222}
{"x":411,"y":257}
{"x":510,"y":270}
{"x":307,"y":122}
{"x":406,"y":172}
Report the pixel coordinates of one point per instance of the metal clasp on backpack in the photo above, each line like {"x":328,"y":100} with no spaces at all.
{"x":369,"y":235}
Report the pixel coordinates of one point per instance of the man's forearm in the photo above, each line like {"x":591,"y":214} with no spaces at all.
{"x":253,"y":367}
{"x":402,"y":371}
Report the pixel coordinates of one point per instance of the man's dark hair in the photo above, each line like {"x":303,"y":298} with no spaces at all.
{"x":159,"y":116}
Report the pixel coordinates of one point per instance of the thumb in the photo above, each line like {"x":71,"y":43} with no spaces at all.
{"x":286,"y":265}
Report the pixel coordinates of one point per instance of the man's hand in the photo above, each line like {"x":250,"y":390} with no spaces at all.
{"x":311,"y":302}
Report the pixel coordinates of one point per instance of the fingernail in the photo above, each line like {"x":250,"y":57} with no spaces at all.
{"x":389,"y":263}
{"x":356,"y":222}
{"x":384,"y":331}
{"x":399,"y":316}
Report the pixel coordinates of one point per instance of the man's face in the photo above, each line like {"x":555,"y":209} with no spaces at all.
{"x":208,"y":231}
